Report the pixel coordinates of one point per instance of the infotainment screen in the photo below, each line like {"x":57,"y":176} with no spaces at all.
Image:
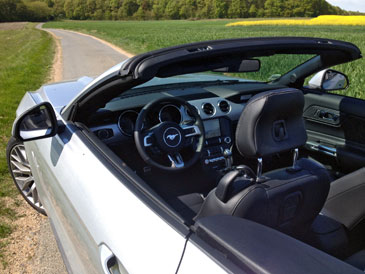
{"x":212,"y":128}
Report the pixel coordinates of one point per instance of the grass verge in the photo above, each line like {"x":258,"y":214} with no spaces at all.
{"x":26,"y":56}
{"x":141,"y":36}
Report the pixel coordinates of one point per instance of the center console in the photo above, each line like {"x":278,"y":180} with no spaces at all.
{"x":218,"y":137}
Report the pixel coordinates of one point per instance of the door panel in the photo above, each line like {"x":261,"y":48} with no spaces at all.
{"x":90,"y":207}
{"x":336,"y":129}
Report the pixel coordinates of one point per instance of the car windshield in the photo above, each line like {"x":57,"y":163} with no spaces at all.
{"x":272,"y":68}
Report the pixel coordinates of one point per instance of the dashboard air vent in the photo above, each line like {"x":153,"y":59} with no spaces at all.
{"x":224,"y":106}
{"x":208,"y":108}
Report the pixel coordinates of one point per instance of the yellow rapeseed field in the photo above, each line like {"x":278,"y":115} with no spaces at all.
{"x":320,"y":20}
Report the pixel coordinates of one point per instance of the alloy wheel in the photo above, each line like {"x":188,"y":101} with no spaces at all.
{"x":23,"y":177}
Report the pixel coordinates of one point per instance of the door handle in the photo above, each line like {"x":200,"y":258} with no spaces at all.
{"x":109,"y":261}
{"x":326,"y":115}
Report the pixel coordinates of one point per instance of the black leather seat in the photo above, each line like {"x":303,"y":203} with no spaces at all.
{"x":357,"y":260}
{"x":346,"y":199}
{"x":287,"y":199}
{"x":346,"y":204}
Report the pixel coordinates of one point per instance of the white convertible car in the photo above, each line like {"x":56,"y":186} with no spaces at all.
{"x":212,"y":157}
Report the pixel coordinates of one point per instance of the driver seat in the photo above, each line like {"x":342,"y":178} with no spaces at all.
{"x":286,"y":199}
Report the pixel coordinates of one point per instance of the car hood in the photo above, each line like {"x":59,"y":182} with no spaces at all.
{"x":61,"y":93}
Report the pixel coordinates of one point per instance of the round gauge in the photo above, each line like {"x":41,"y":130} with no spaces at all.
{"x":127,"y":121}
{"x":170,"y":113}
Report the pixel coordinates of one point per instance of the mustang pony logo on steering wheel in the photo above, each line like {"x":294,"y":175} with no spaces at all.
{"x":171,"y":136}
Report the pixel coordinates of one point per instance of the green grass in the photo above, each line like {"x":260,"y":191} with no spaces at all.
{"x":25,"y":60}
{"x":141,"y":36}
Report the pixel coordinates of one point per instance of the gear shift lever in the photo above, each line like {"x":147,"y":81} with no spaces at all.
{"x":227,"y":154}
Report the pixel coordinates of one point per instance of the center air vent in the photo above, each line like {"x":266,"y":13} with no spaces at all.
{"x":208,"y":109}
{"x":224,"y":106}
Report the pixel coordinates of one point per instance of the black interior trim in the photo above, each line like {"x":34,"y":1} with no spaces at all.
{"x":261,"y":249}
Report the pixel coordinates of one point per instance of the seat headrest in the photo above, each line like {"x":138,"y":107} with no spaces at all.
{"x":271,"y":122}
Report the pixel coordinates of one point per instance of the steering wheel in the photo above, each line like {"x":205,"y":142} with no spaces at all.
{"x":169,"y":137}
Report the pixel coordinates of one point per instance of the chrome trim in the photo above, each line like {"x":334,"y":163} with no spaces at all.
{"x":172,"y":136}
{"x":145,"y":140}
{"x":259,"y":169}
{"x":229,"y":106}
{"x":176,"y":162}
{"x":214,"y":109}
{"x":331,"y":151}
{"x":295,"y":158}
{"x":196,"y":131}
{"x":120,"y":128}
{"x":214,"y":160}
{"x":170,"y":105}
{"x":227,"y":140}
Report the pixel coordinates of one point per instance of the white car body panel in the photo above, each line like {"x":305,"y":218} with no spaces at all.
{"x":98,"y":209}
{"x":196,"y":261}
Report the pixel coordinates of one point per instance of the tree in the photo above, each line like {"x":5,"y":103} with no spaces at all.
{"x":144,"y":10}
{"x":274,"y":8}
{"x":158,"y":9}
{"x":12,"y":10}
{"x":8,"y":10}
{"x":187,"y":9}
{"x":68,"y":7}
{"x":21,"y":11}
{"x":172,"y":10}
{"x":58,"y":9}
{"x":260,"y":13}
{"x":221,"y":8}
{"x":38,"y":11}
{"x":207,"y":9}
{"x":129,"y":7}
{"x":253,"y":11}
{"x":114,"y":6}
{"x":80,"y":9}
{"x":237,"y":9}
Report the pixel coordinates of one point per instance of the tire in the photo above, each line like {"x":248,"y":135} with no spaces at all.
{"x":22,"y":175}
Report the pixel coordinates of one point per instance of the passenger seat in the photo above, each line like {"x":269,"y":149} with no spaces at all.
{"x":346,"y":199}
{"x":346,"y":204}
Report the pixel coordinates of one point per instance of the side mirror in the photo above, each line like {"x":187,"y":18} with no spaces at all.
{"x":329,"y":79}
{"x":36,"y":123}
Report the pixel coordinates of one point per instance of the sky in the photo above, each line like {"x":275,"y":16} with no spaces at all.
{"x":352,"y":5}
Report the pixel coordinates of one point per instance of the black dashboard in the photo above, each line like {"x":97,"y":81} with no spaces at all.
{"x":219,"y":108}
{"x":218,"y":115}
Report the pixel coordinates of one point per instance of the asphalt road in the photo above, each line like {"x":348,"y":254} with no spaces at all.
{"x":85,"y":56}
{"x":81,"y":56}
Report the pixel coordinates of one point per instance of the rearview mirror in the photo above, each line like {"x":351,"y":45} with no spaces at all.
{"x":328,"y":80}
{"x":250,"y":65}
{"x":36,"y":123}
